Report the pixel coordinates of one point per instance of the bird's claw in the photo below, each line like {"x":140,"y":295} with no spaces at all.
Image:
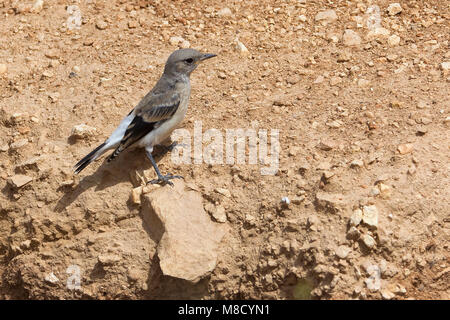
{"x":163,"y":180}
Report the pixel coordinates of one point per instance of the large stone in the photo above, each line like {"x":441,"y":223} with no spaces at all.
{"x":394,"y":40}
{"x":370,"y":216}
{"x":394,"y":8}
{"x":189,"y":240}
{"x":83,"y":131}
{"x":378,"y":34}
{"x":356,"y":217}
{"x":351,"y":38}
{"x":326,"y":16}
{"x":19,"y":180}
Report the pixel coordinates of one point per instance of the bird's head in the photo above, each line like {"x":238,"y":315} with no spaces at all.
{"x":184,"y":61}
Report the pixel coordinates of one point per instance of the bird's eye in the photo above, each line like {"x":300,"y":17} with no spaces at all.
{"x":189,"y":60}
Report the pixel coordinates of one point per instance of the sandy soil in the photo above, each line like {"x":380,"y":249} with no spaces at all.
{"x":363,"y":121}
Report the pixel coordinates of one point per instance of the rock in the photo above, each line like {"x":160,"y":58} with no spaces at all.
{"x":47,"y":74}
{"x":224,"y":12}
{"x":326,"y":144}
{"x":385,"y":190}
{"x":386,"y":294}
{"x":135,"y":195}
{"x":298,"y":199}
{"x":394,"y":8}
{"x":333,"y":202}
{"x":362,"y":83}
{"x":323,"y":165}
{"x":422,"y":104}
{"x":101,"y":25}
{"x":217,"y":212}
{"x":241,"y":48}
{"x":180,"y":42}
{"x":51,"y":278}
{"x":133,"y":24}
{"x":445,"y":66}
{"x":37,"y":6}
{"x":189,"y":242}
{"x":83,"y":131}
{"x":25,"y":244}
{"x":108,"y":259}
{"x":335,"y":80}
{"x":19,"y":180}
{"x":303,"y":166}
{"x":3,"y":68}
{"x":222,"y":75}
{"x":319,"y":79}
{"x":374,"y":192}
{"x":18,"y":144}
{"x":377,"y":34}
{"x":54,"y":96}
{"x":357,"y":163}
{"x":405,"y":148}
{"x":373,"y":283}
{"x":394,"y":40}
{"x":353,"y":233}
{"x":74,"y":20}
{"x":399,"y":289}
{"x":351,"y":38}
{"x":344,"y":56}
{"x":134,"y":275}
{"x":391,"y":57}
{"x":325,"y":17}
{"x":293,"y":151}
{"x":334,"y":124}
{"x":370,"y":215}
{"x":251,"y":220}
{"x":40,"y":162}
{"x":382,"y":178}
{"x":396,"y":104}
{"x":356,"y":217}
{"x":343,"y":251}
{"x":224,"y":192}
{"x":368,"y":241}
{"x":425,"y":120}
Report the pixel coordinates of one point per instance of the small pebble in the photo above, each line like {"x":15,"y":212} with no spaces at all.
{"x":101,"y":25}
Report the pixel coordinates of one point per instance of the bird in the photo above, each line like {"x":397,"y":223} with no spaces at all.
{"x":154,"y":118}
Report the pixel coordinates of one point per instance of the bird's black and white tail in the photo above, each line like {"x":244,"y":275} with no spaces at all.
{"x":94,"y":154}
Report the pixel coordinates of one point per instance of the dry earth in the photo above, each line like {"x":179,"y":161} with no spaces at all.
{"x":363,"y":115}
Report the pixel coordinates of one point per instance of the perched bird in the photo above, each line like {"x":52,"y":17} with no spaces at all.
{"x":156,"y":115}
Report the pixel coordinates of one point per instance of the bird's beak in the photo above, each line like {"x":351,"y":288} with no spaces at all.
{"x":207,"y":56}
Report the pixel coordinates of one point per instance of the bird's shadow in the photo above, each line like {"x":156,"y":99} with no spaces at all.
{"x":109,"y":174}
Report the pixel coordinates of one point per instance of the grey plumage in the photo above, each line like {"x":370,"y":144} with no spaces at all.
{"x":156,"y":115}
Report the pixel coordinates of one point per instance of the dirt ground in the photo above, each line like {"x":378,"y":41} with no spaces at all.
{"x":363,"y":118}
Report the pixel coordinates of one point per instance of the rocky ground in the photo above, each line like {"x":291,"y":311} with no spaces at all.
{"x":358,"y":209}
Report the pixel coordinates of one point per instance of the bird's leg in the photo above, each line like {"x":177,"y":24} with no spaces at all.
{"x":161,"y":179}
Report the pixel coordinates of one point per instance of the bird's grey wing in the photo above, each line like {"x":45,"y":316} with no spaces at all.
{"x":158,"y":108}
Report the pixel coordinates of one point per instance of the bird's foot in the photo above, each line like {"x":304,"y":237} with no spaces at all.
{"x":163,"y":180}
